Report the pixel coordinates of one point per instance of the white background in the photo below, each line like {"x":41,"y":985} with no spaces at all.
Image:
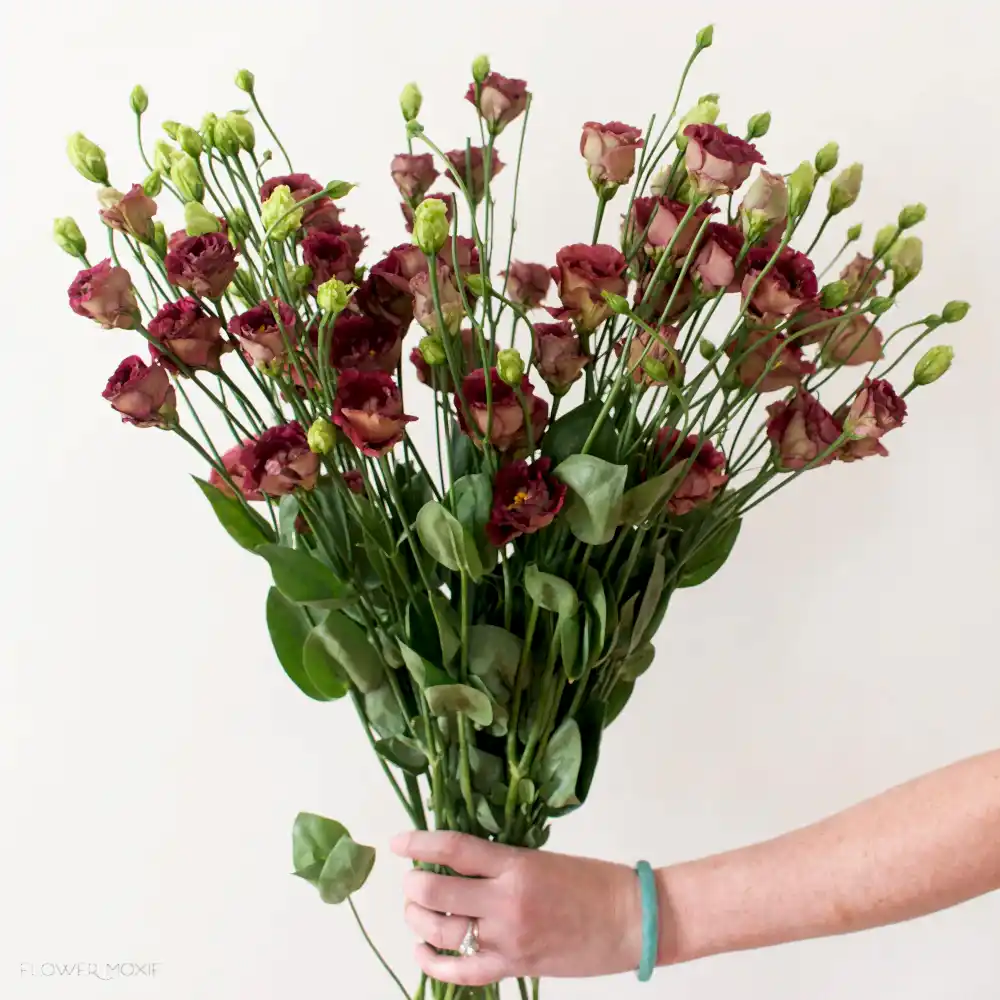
{"x":152,"y":753}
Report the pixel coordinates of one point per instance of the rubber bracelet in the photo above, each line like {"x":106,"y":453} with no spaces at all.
{"x":650,"y":921}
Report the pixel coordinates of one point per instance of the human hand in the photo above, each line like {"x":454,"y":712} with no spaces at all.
{"x":539,"y":914}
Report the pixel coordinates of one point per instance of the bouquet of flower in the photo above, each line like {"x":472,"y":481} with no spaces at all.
{"x":488,"y":608}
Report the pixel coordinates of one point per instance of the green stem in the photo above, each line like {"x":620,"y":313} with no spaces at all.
{"x":273,"y":134}
{"x":374,"y":948}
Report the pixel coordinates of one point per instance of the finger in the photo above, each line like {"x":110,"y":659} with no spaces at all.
{"x":458,"y":851}
{"x":464,"y":897}
{"x":435,"y":928}
{"x":474,"y":970}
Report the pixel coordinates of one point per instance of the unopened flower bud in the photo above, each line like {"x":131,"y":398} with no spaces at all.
{"x":854,"y":233}
{"x":933,"y":364}
{"x":430,"y":225}
{"x":239,"y":223}
{"x":226,"y":140}
{"x":321,"y":437}
{"x":153,"y":184}
{"x":198,"y":220}
{"x":884,"y":239}
{"x":171,"y":128}
{"x":67,"y":234}
{"x":618,"y":303}
{"x":906,"y":261}
{"x":510,"y":366}
{"x":706,"y":111}
{"x":704,"y":37}
{"x":332,"y":296}
{"x":955,"y":311}
{"x":730,"y":381}
{"x":933,"y":321}
{"x":480,"y":68}
{"x":88,"y":158}
{"x":432,"y":350}
{"x":409,"y":102}
{"x":845,"y":188}
{"x":476,"y":284}
{"x":707,"y":348}
{"x":759,"y":125}
{"x":833,"y":295}
{"x":245,"y":80}
{"x":159,"y":241}
{"x":801,"y":184}
{"x":190,"y":141}
{"x":414,"y":128}
{"x":207,"y":129}
{"x":656,"y":369}
{"x":243,"y":129}
{"x":163,"y":156}
{"x":826,"y":158}
{"x":880,"y":304}
{"x":187,"y":178}
{"x":339,"y":189}
{"x":302,"y":275}
{"x":280,"y":214}
{"x":139,"y":99}
{"x":912,"y":215}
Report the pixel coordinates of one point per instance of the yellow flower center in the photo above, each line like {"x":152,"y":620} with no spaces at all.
{"x":519,"y":497}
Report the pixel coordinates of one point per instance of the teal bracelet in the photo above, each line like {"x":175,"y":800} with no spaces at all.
{"x":650,"y":921}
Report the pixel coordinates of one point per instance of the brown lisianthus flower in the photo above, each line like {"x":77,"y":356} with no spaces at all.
{"x":369,"y":410}
{"x":526,"y":498}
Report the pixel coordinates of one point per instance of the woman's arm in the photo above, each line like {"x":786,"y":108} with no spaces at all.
{"x":921,"y":847}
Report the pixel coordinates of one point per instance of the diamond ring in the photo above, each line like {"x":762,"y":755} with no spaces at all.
{"x":470,"y":943}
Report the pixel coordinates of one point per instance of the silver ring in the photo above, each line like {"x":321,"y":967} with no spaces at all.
{"x":470,"y":943}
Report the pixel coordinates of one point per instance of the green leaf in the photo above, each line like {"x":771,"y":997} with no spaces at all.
{"x":304,"y":579}
{"x":552,"y":593}
{"x":464,"y":455}
{"x":288,"y":511}
{"x":346,"y":870}
{"x":289,"y":628}
{"x":622,"y":638}
{"x":706,"y":562}
{"x":487,"y":770}
{"x":494,"y":654}
{"x":637,"y":663}
{"x":447,"y":541}
{"x":560,"y":766}
{"x":617,"y":700}
{"x":447,"y":625}
{"x":591,"y":723}
{"x":569,"y":433}
{"x":484,"y":815}
{"x":313,"y":837}
{"x":444,"y":699}
{"x":650,"y":601}
{"x":568,"y":630}
{"x":246,"y":527}
{"x":414,"y":488}
{"x":598,"y":602}
{"x":641,"y":501}
{"x":404,"y":753}
{"x":594,"y":507}
{"x":323,"y":670}
{"x":472,"y":500}
{"x":383,"y":712}
{"x":348,"y":646}
{"x":423,"y":672}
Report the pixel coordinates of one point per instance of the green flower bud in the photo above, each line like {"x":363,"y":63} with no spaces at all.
{"x":164,"y":155}
{"x":410,"y":101}
{"x":476,"y":284}
{"x":198,"y":220}
{"x":153,"y":184}
{"x":618,"y":303}
{"x":759,"y":125}
{"x":656,"y":369}
{"x":704,"y":112}
{"x":186,"y":178}
{"x":826,"y":158}
{"x":510,"y":366}
{"x":321,"y":437}
{"x":139,"y":99}
{"x":171,"y":128}
{"x":88,"y":158}
{"x":190,"y":141}
{"x":845,"y":188}
{"x":280,"y":214}
{"x":245,"y":80}
{"x":239,"y":224}
{"x":854,"y":233}
{"x":912,"y":215}
{"x":302,"y":275}
{"x":880,"y":304}
{"x":339,"y":189}
{"x":730,"y":381}
{"x":933,"y":321}
{"x":884,"y":239}
{"x":244,"y":130}
{"x":159,"y":241}
{"x":430,"y":225}
{"x":359,"y":273}
{"x":332,"y":296}
{"x":480,"y":68}
{"x":67,"y":234}
{"x":801,"y":184}
{"x":905,"y":261}
{"x":226,"y":140}
{"x":704,"y":37}
{"x":707,"y":348}
{"x":933,"y":364}
{"x":432,"y":350}
{"x":833,"y":295}
{"x":955,"y":311}
{"x":207,"y":130}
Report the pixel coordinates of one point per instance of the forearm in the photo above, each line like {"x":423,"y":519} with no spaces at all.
{"x":918,"y":848}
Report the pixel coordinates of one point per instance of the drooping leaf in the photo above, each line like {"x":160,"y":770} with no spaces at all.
{"x":313,"y":837}
{"x":593,"y":508}
{"x":404,"y":753}
{"x":487,"y":770}
{"x":288,"y":512}
{"x":471,"y":501}
{"x":650,"y":601}
{"x":444,"y":699}
{"x":622,"y":635}
{"x":617,"y":700}
{"x":568,"y":630}
{"x":705,"y":562}
{"x":348,"y":646}
{"x":346,"y":870}
{"x":598,"y":602}
{"x":384,"y":713}
{"x":289,"y":628}
{"x":447,"y":541}
{"x":464,"y":454}
{"x":245,"y":526}
{"x":560,"y":766}
{"x":591,"y":722}
{"x":569,"y":433}
{"x":304,"y":579}
{"x":550,"y":592}
{"x":322,"y":669}
{"x":637,"y":662}
{"x":494,"y":654}
{"x":448,"y":626}
{"x":484,"y":815}
{"x":642,"y":500}
{"x":425,"y":673}
{"x":414,"y":488}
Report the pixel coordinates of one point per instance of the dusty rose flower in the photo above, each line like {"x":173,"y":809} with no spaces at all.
{"x":190,"y":334}
{"x":703,"y":479}
{"x":447,"y":198}
{"x":439,"y":376}
{"x":449,"y":299}
{"x":385,"y":293}
{"x":104,"y":294}
{"x":501,"y":100}
{"x":368,"y":409}
{"x":527,"y":284}
{"x":717,"y":162}
{"x":581,"y":273}
{"x":656,"y":220}
{"x":142,"y":393}
{"x":788,"y":286}
{"x":460,"y":255}
{"x":762,"y":350}
{"x":801,"y":430}
{"x":526,"y":498}
{"x":862,"y":277}
{"x":765,"y":205}
{"x":657,"y":357}
{"x":413,"y":174}
{"x":558,"y":355}
{"x":854,"y":341}
{"x":130,"y":213}
{"x":812,"y":324}
{"x":662,"y":295}
{"x":232,"y":462}
{"x":715,"y":265}
{"x":202,"y":265}
{"x":260,"y":332}
{"x":329,"y":257}
{"x":355,"y":482}
{"x":473,"y":171}
{"x":609,"y":150}
{"x":875,"y":410}
{"x":507,"y":430}
{"x":279,"y":461}
{"x":365,"y":344}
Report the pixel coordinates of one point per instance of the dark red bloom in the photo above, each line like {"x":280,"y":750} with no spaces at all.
{"x":705,"y":476}
{"x":413,"y":174}
{"x":104,"y":294}
{"x":329,"y":257}
{"x":473,"y":170}
{"x":300,"y":185}
{"x":364,"y":343}
{"x":717,"y":162}
{"x":766,"y":361}
{"x":788,"y":286}
{"x":526,"y":498}
{"x":189,"y":333}
{"x":609,"y":150}
{"x":448,"y":200}
{"x":202,"y":265}
{"x":507,"y":428}
{"x":369,"y":410}
{"x":260,"y":333}
{"x":320,"y":215}
{"x":875,"y":410}
{"x":558,"y":355}
{"x":142,"y":393}
{"x":279,"y":461}
{"x":354,"y":481}
{"x":501,"y":100}
{"x":232,"y":462}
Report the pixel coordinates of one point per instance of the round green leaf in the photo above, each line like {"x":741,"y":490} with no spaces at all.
{"x":346,"y":870}
{"x":617,"y":700}
{"x":289,"y":628}
{"x":641,"y":501}
{"x":447,"y":541}
{"x":304,"y":579}
{"x":313,"y":837}
{"x":322,"y":670}
{"x":706,"y":562}
{"x":383,"y":712}
{"x":594,"y":507}
{"x":347,"y":644}
{"x":550,"y":592}
{"x":462,"y":699}
{"x":246,"y":527}
{"x":560,"y":766}
{"x":405,"y":754}
{"x":569,"y":433}
{"x":650,"y":601}
{"x":637,"y":663}
{"x":494,"y":654}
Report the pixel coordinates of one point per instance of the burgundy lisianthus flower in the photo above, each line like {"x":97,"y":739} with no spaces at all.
{"x":767,"y":361}
{"x":329,"y":257}
{"x":385,"y":293}
{"x":259,"y":331}
{"x":448,"y":199}
{"x":703,"y":479}
{"x":609,"y":150}
{"x":439,"y":376}
{"x":658,"y":366}
{"x":507,"y":430}
{"x":369,"y":410}
{"x":279,"y":461}
{"x":526,"y":498}
{"x":461,"y":255}
{"x":501,"y":100}
{"x":354,"y":481}
{"x":449,"y":299}
{"x":202,"y":265}
{"x":874,"y":411}
{"x":787,"y":287}
{"x":812,"y":324}
{"x":581,"y":273}
{"x":130,"y":213}
{"x":360,"y":342}
{"x":655,"y":221}
{"x":527,"y":284}
{"x":142,"y":393}
{"x":717,"y":162}
{"x":558,"y":355}
{"x":353,"y":236}
{"x":232,"y":462}
{"x":661,"y":295}
{"x":413,"y":174}
{"x":473,"y":172}
{"x":190,"y":334}
{"x":801,"y":430}
{"x":104,"y":294}
{"x":862,"y":277}
{"x":853,"y":341}
{"x":715,"y":265}
{"x":300,"y":185}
